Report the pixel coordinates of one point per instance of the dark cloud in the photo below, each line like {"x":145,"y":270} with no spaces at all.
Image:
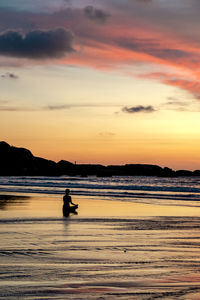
{"x":78,"y":105}
{"x":95,"y":14}
{"x":56,"y":107}
{"x":138,"y":109}
{"x":9,"y":75}
{"x":36,"y":44}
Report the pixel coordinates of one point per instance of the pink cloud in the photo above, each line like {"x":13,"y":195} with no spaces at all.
{"x":192,"y":86}
{"x":118,"y":42}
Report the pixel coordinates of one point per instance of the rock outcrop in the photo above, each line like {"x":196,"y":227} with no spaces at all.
{"x":20,"y":161}
{"x":16,"y":161}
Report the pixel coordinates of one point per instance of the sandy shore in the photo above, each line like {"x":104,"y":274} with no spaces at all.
{"x":51,"y":205}
{"x":109,"y":250}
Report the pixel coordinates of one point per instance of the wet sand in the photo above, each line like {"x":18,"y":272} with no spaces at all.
{"x":109,"y":250}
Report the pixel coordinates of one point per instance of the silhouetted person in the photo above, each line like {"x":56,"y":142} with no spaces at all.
{"x":67,"y":200}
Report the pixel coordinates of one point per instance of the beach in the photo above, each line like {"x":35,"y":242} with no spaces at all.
{"x":110,"y":249}
{"x":99,"y":107}
{"x":99,"y":104}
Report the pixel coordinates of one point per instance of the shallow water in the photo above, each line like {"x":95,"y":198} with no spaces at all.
{"x":109,"y":250}
{"x":123,"y":188}
{"x":133,"y":238}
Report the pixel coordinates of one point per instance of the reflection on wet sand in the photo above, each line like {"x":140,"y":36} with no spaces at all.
{"x":10,"y":200}
{"x":94,"y":255}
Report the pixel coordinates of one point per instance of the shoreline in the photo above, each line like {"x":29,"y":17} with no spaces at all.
{"x":93,"y":206}
{"x":98,"y":253}
{"x":31,"y":165}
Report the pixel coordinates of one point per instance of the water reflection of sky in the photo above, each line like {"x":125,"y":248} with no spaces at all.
{"x":8,"y":201}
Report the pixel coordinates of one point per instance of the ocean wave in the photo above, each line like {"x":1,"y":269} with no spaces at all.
{"x":122,"y":188}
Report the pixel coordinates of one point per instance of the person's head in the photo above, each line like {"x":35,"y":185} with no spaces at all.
{"x":67,"y":191}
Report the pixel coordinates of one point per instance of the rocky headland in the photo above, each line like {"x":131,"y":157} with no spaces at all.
{"x":16,"y":161}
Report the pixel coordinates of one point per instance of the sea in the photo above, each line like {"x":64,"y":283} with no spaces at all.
{"x":124,"y":188}
{"x":131,"y":238}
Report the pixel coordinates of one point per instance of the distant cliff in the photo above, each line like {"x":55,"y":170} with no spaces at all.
{"x":20,"y":161}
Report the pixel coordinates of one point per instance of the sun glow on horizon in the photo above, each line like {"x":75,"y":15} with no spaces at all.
{"x":95,"y":83}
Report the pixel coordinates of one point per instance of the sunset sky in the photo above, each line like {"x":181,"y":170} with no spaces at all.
{"x":105,"y":81}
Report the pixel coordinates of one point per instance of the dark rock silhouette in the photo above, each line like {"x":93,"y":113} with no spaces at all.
{"x":196,"y":173}
{"x":184,"y":173}
{"x":20,"y":161}
{"x":136,"y":170}
{"x":66,"y":167}
{"x":89,"y":169}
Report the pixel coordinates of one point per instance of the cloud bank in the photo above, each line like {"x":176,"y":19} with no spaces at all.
{"x":95,"y":14}
{"x":37,"y":44}
{"x":137,"y":33}
{"x":138,"y":109}
{"x":9,"y":75}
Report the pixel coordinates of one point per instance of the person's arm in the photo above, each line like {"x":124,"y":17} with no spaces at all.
{"x":71,"y":201}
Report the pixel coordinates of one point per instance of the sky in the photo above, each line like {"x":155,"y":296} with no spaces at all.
{"x":102,"y":81}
